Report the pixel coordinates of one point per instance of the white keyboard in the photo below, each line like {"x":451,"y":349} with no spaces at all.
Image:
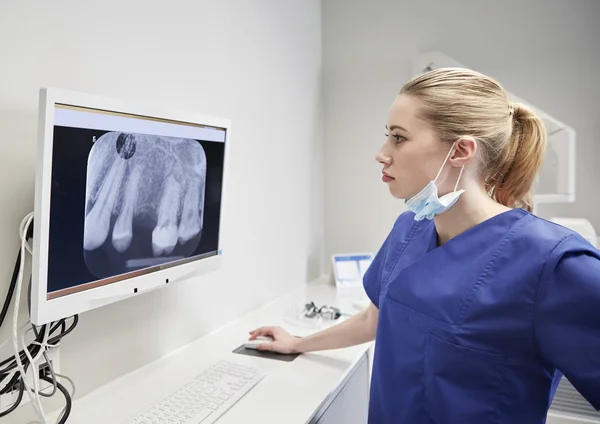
{"x":204,"y":398}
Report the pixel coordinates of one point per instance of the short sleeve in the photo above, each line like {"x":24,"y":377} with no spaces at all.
{"x":374,"y":275}
{"x":567,"y":315}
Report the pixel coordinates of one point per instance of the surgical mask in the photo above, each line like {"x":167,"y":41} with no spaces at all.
{"x":426,"y":204}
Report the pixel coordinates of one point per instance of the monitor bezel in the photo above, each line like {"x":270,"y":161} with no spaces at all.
{"x":44,"y":310}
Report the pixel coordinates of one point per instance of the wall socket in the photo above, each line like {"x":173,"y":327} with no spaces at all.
{"x":10,"y":398}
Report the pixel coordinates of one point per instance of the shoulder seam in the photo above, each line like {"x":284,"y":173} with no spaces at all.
{"x":540,"y":282}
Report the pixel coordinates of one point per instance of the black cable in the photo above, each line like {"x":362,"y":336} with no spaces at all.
{"x":13,"y":280}
{"x":16,"y":378}
{"x":10,"y":294}
{"x":34,"y":349}
{"x":56,"y":339}
{"x":17,"y":402}
{"x":10,"y":364}
{"x":67,"y":396}
{"x":11,"y":289}
{"x":11,"y":384}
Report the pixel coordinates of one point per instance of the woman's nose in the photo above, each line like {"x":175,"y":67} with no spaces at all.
{"x":383,"y":159}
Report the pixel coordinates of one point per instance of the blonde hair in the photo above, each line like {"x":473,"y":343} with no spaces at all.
{"x":511,"y":137}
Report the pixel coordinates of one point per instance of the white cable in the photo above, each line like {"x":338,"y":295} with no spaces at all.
{"x":42,"y":355}
{"x":33,"y":395}
{"x":72,"y":395}
{"x":23,"y":229}
{"x":34,"y":362}
{"x":24,"y":330}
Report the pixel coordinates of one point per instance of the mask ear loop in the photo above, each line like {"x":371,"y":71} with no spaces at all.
{"x":444,"y":164}
{"x":459,"y":175}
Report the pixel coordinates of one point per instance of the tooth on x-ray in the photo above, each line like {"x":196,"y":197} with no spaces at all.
{"x":123,"y":231}
{"x":191,"y":221}
{"x":144,"y":198}
{"x":97,"y":221}
{"x":164,"y":236}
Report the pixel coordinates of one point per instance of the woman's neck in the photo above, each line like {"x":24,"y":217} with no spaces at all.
{"x":472,"y":208}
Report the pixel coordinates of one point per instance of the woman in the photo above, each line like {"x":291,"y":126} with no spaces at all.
{"x":478,"y":306}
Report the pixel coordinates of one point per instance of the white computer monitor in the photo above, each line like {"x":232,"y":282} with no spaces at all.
{"x":128,"y":198}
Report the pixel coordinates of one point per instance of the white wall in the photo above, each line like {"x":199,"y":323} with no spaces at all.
{"x":543,"y":51}
{"x":256,"y":62}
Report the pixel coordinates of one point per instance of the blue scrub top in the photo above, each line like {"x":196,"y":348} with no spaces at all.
{"x":479,"y":330}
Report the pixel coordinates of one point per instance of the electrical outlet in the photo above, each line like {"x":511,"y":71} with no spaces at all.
{"x":10,"y":398}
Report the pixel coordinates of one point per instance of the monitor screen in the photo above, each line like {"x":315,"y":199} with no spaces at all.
{"x":130,"y":195}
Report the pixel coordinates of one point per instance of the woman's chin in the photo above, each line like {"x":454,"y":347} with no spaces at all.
{"x":398,"y":193}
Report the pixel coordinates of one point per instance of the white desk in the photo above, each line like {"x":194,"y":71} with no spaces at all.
{"x":310,"y":389}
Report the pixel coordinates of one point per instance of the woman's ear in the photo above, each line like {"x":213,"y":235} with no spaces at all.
{"x":465,"y":150}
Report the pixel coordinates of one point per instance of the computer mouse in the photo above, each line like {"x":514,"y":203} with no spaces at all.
{"x":253,"y":344}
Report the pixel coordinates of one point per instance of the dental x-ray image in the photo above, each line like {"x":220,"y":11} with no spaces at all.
{"x":144,"y":202}
{"x":127,"y":201}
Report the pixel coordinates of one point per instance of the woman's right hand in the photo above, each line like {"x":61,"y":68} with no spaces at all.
{"x":360,"y":328}
{"x":283,"y":342}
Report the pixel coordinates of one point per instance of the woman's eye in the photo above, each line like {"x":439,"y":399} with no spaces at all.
{"x":397,"y":138}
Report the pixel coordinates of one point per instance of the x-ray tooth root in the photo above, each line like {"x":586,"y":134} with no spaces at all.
{"x":123,"y":231}
{"x":97,"y":221}
{"x":190,"y":224}
{"x":164,"y":236}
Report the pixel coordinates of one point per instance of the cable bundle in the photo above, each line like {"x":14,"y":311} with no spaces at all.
{"x":14,"y":369}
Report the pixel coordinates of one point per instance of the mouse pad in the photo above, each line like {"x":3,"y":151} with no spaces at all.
{"x":287,"y":357}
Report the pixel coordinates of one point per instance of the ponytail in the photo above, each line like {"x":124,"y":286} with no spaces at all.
{"x":513,"y":178}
